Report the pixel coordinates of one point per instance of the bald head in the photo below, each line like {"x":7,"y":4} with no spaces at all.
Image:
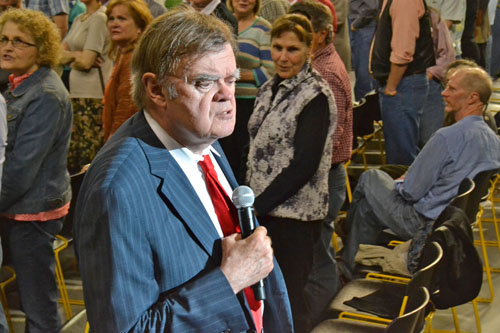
{"x":467,"y":92}
{"x":476,"y":80}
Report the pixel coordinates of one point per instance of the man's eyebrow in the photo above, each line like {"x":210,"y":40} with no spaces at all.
{"x":212,"y":77}
{"x":206,"y":77}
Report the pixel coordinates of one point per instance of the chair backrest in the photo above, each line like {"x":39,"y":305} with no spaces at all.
{"x":464,"y":191}
{"x":482,"y":185}
{"x":431,"y":256}
{"x":365,"y":113}
{"x":410,"y":321}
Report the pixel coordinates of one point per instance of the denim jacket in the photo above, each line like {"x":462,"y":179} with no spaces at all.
{"x":39,"y":116}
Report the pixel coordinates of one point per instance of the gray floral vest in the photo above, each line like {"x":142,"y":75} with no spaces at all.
{"x":272,"y":128}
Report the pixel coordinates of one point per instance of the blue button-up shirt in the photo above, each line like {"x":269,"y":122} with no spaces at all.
{"x":452,"y":154}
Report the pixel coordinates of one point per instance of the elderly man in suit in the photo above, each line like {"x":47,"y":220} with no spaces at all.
{"x":155,"y":247}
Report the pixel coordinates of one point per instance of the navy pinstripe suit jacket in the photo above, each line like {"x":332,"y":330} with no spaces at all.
{"x":149,"y":255}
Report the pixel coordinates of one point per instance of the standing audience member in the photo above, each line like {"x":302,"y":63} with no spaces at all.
{"x":433,"y":111}
{"x":3,"y":143}
{"x":324,"y":281}
{"x":273,"y":9}
{"x":127,"y":19}
{"x":57,"y":10}
{"x":495,"y":44}
{"x":290,"y":156}
{"x":453,"y":13}
{"x":218,"y":9}
{"x":36,"y":189}
{"x":402,"y":50}
{"x":341,"y":30}
{"x":468,"y":45}
{"x":256,"y":67}
{"x":453,"y":153}
{"x":156,"y":7}
{"x":157,"y":247}
{"x":87,"y":45}
{"x":363,"y":20}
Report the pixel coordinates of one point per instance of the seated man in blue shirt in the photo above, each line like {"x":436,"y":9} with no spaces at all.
{"x":452,"y":154}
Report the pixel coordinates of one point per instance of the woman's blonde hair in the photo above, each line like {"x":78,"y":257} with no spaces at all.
{"x":44,"y":32}
{"x":139,"y":11}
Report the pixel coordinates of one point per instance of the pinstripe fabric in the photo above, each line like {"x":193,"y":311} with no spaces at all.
{"x":148,"y":253}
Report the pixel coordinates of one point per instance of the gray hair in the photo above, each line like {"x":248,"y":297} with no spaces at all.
{"x":178,"y":37}
{"x":319,"y":15}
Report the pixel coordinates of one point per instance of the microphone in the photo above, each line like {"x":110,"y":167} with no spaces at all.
{"x":243,"y":198}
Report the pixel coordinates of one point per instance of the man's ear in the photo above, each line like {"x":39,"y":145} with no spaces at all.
{"x":473,"y":98}
{"x":322,"y":35}
{"x":154,"y":90}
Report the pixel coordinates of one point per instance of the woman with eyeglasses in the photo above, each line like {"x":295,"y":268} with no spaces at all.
{"x":36,"y":190}
{"x":290,"y":154}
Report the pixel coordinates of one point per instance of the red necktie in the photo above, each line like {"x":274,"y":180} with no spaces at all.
{"x":228,"y":217}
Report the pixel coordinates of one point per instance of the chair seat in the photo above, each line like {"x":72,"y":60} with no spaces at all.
{"x":337,"y":325}
{"x":361,"y":288}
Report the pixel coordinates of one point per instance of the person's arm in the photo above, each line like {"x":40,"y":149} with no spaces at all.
{"x":94,"y":46}
{"x":122,"y":271}
{"x":3,"y":134}
{"x":33,"y":140}
{"x":344,"y":106}
{"x":61,"y":21}
{"x":259,"y":75}
{"x":443,"y":47}
{"x":309,"y":142}
{"x":405,"y":27}
{"x":80,"y":60}
{"x":425,"y":170}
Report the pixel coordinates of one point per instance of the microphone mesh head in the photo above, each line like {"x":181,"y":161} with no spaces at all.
{"x":243,"y":196}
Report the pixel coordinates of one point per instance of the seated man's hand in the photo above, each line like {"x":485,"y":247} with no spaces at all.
{"x":246,"y":261}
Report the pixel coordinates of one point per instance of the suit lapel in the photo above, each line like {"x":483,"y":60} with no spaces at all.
{"x":176,"y":190}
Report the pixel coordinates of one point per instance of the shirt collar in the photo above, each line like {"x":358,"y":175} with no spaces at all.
{"x":210,"y":7}
{"x":173,"y":145}
{"x":328,"y":50}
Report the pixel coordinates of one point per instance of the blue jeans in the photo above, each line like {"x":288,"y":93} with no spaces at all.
{"x":401,"y":117}
{"x":376,"y":206}
{"x":360,"y":48}
{"x":323,"y":281}
{"x":32,"y":256}
{"x":433,"y":113}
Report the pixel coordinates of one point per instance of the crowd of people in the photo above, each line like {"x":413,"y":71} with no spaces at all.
{"x":173,"y":113}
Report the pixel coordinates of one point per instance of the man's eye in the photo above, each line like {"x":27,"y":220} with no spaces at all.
{"x":204,"y":84}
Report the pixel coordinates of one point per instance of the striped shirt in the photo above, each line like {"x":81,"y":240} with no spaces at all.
{"x":254,"y":44}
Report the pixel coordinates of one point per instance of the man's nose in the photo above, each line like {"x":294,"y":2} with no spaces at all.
{"x":225,"y":91}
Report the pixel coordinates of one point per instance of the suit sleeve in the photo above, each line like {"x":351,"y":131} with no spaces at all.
{"x":120,"y":277}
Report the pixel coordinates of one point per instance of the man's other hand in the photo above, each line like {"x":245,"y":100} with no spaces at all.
{"x":246,"y":261}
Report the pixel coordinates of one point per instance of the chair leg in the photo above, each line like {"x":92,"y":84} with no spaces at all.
{"x":455,"y":319}
{"x":476,"y":316}
{"x":61,"y":284}
{"x":485,"y":259}
{"x":3,"y":298}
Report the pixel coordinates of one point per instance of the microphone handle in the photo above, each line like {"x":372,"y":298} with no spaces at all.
{"x":247,"y":225}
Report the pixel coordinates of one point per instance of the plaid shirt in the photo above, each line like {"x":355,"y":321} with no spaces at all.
{"x":50,"y":8}
{"x":328,"y":63}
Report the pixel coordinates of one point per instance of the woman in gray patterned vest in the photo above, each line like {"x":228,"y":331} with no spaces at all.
{"x":290,"y":155}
